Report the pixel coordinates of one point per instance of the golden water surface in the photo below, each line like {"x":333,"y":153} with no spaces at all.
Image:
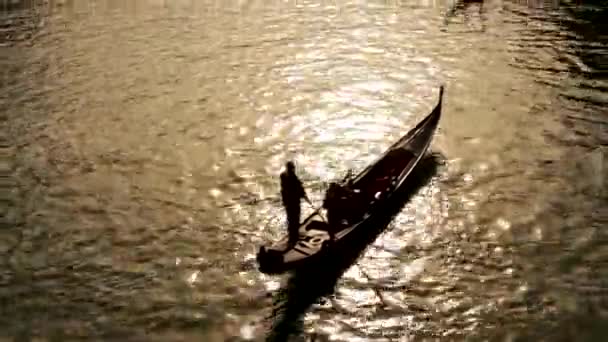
{"x":142,"y":142}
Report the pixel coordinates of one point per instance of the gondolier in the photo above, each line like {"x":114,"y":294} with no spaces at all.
{"x":292,"y":192}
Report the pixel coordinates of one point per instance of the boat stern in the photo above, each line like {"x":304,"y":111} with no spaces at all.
{"x":269,"y":260}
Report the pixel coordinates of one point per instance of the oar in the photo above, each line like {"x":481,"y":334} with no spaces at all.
{"x":269,"y":220}
{"x":312,"y":206}
{"x":309,"y":202}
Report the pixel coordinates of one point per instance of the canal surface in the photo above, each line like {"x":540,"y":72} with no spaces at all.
{"x":142,"y":142}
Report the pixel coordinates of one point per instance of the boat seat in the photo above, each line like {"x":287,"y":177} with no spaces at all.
{"x":383,"y":177}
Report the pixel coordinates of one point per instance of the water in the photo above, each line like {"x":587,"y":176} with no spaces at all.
{"x":142,"y":142}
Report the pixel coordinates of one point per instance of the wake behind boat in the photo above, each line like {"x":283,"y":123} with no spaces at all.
{"x":371,"y":188}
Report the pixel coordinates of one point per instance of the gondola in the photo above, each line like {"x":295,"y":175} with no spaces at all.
{"x":371,"y":189}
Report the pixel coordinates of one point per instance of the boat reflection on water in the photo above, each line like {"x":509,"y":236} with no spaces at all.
{"x":308,"y":284}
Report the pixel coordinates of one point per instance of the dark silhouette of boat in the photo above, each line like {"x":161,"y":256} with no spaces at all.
{"x":372,"y":189}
